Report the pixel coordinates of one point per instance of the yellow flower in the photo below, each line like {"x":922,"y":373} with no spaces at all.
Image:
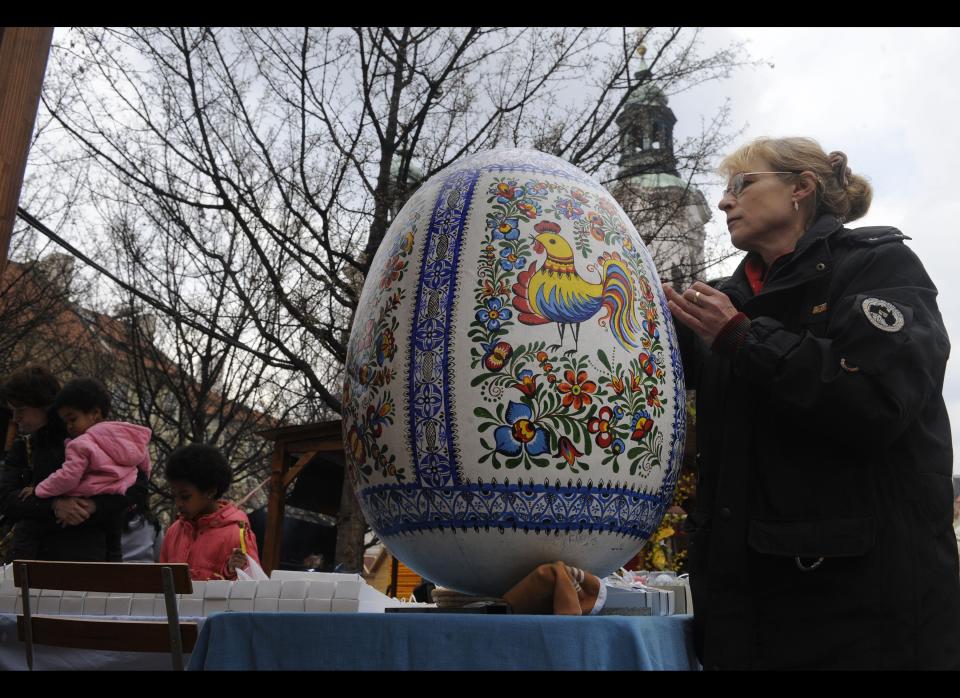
{"x":664,"y":532}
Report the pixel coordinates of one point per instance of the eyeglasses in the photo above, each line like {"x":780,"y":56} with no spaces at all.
{"x":737,"y":183}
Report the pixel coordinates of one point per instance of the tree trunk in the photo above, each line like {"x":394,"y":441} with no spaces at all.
{"x":351,"y":527}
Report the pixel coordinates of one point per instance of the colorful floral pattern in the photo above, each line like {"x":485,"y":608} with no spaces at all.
{"x":368,"y":398}
{"x":577,"y":405}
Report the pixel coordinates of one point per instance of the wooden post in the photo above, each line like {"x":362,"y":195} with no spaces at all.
{"x":270,"y":559}
{"x":11,"y":435}
{"x":394,"y":576}
{"x":23,"y":60}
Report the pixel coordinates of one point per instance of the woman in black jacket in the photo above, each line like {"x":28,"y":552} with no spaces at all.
{"x":65,"y":528}
{"x":822,"y":535}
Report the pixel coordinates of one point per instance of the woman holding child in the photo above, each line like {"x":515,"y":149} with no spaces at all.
{"x":65,"y":527}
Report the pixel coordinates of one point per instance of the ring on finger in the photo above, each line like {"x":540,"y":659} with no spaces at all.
{"x":696,"y":298}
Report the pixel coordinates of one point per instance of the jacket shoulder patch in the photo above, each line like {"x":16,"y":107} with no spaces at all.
{"x":883,"y":315}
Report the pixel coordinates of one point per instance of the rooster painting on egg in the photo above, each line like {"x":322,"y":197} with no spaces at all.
{"x":513,"y":390}
{"x":557,"y":293}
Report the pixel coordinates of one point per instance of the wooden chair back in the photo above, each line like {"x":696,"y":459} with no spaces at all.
{"x":168,"y":635}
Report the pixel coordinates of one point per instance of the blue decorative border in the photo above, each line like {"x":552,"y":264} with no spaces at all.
{"x":542,"y":171}
{"x":523,"y":160}
{"x":679,"y":431}
{"x":429,"y":404}
{"x":394,"y":509}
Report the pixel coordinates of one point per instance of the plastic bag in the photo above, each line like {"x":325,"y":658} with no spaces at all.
{"x":252,"y":571}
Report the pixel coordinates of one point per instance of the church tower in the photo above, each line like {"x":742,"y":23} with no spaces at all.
{"x":667,"y":211}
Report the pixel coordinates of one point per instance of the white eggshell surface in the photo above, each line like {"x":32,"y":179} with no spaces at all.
{"x":514,"y":394}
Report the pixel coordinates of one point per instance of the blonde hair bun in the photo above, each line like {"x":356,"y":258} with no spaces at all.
{"x":839,"y":191}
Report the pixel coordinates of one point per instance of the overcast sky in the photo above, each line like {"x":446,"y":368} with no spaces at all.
{"x":888,"y":98}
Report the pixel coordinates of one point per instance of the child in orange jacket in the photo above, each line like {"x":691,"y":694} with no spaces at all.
{"x":210,"y":534}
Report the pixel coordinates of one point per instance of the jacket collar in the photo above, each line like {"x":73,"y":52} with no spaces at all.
{"x":221,"y":517}
{"x":822,"y":228}
{"x":810,"y":258}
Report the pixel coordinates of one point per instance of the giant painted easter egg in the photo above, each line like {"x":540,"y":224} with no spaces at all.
{"x":514,"y":394}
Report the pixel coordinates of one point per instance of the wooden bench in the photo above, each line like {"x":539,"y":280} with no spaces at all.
{"x":168,"y":635}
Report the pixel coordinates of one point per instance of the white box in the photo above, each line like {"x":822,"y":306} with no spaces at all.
{"x":198,"y":590}
{"x":372,"y":601}
{"x":118,"y":605}
{"x":294,"y":589}
{"x":345,"y":605}
{"x":51,"y":592}
{"x":312,"y":605}
{"x":291,"y":606}
{"x":142,"y":607}
{"x":94,"y":604}
{"x":265,"y":605}
{"x":269,"y":589}
{"x":71,"y":606}
{"x":160,"y":605}
{"x":321,"y":590}
{"x":70,"y":593}
{"x":211,"y":606}
{"x":191,"y":608}
{"x":217,"y":589}
{"x":315,"y":576}
{"x":683,"y":599}
{"x":348,"y":589}
{"x":50,"y":605}
{"x":246,"y":589}
{"x":659,"y":601}
{"x":242,"y":605}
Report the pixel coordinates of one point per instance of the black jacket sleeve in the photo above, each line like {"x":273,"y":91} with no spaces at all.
{"x":109,"y":505}
{"x":861,"y":381}
{"x":689,"y":346}
{"x":15,"y":474}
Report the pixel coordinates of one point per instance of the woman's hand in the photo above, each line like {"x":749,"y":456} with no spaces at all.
{"x":72,"y":511}
{"x":703,"y":309}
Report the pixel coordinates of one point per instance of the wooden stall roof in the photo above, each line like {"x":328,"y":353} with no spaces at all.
{"x":301,"y":438}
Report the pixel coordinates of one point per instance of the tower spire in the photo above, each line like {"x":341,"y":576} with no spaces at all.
{"x":646,"y":124}
{"x":641,"y":51}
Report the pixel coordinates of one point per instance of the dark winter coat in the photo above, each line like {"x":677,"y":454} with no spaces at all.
{"x":37,"y":534}
{"x":823,"y":444}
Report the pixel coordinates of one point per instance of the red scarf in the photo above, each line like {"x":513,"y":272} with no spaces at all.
{"x":756,"y":272}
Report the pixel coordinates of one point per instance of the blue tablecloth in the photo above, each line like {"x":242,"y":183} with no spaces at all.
{"x":442,"y":641}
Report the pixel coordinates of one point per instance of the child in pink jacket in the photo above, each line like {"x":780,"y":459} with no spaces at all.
{"x":211,"y":535}
{"x":103,"y":456}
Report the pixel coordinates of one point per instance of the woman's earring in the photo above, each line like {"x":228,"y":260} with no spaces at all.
{"x":796,"y":206}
